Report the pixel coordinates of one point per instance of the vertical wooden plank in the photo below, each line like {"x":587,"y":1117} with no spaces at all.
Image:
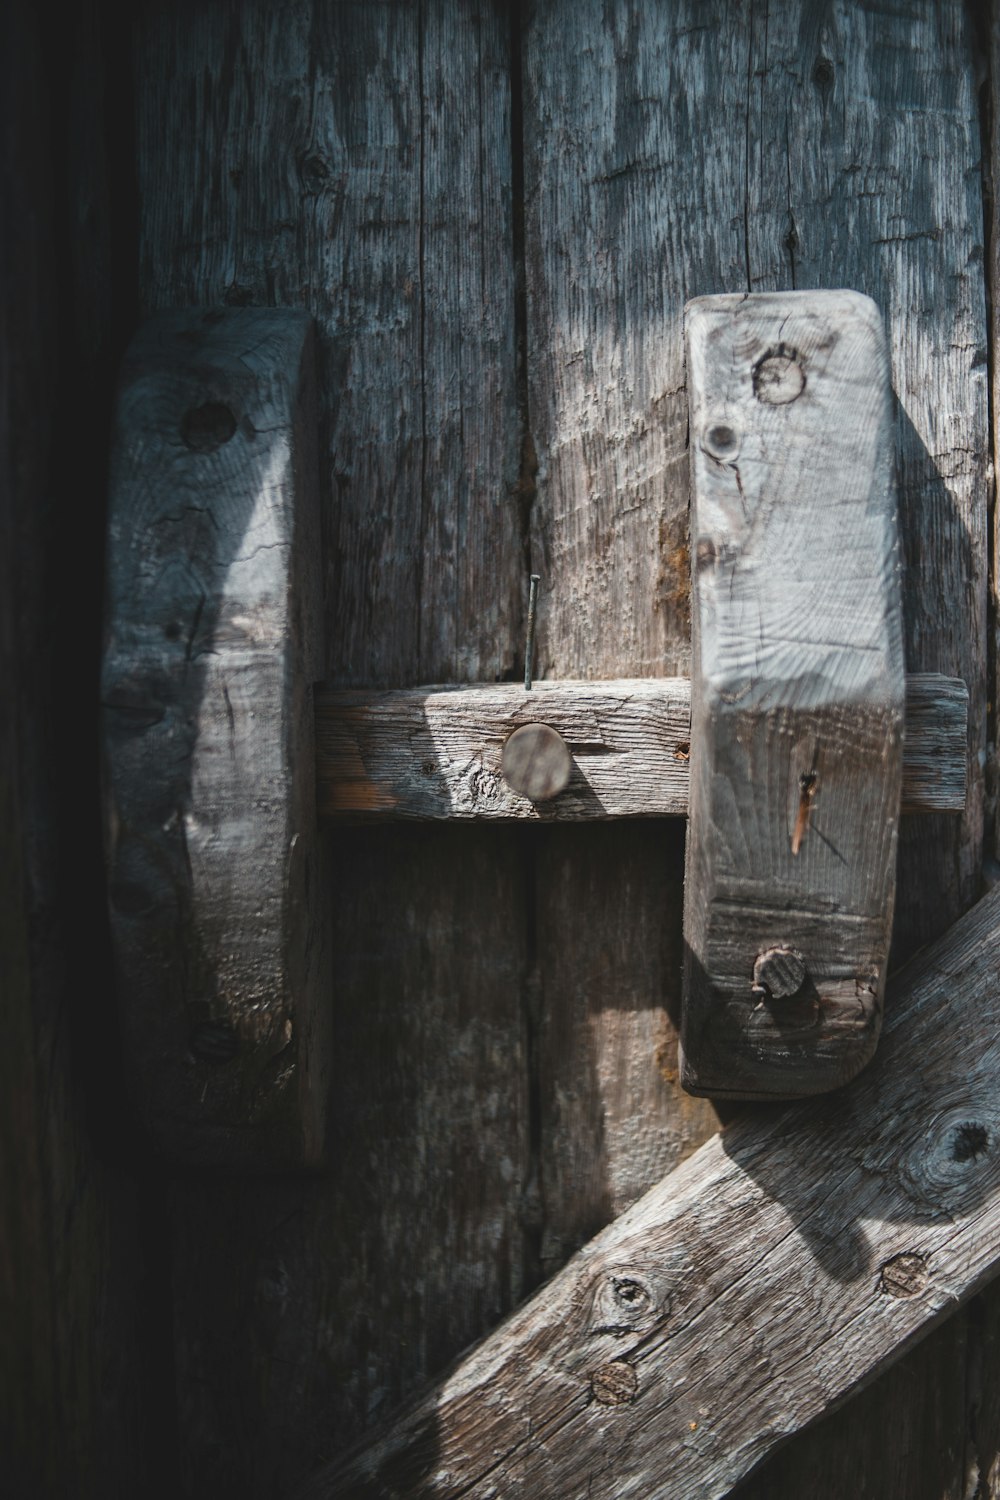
{"x":348,"y":166}
{"x":867,"y":174}
{"x":633,"y":200}
{"x":676,"y":151}
{"x":608,"y":972}
{"x":306,"y":1312}
{"x":354,"y":160}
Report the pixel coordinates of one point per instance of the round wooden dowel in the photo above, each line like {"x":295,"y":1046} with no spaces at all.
{"x":536,"y":762}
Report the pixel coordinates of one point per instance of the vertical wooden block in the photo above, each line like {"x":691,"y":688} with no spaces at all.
{"x":797,"y":692}
{"x":213,"y":643}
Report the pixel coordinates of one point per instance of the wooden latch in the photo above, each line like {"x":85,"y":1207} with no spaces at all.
{"x":221,"y":760}
{"x":797,"y":695}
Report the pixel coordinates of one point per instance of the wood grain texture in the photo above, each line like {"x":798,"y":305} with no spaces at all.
{"x":341,"y":159}
{"x":643,"y":180}
{"x":632,"y":186}
{"x":213,"y":618}
{"x":867,"y":173}
{"x":797,"y":691}
{"x":305,"y":1311}
{"x":437,"y":752}
{"x":354,"y":160}
{"x":775,"y":1270}
{"x":840,"y":103}
{"x":696,"y":149}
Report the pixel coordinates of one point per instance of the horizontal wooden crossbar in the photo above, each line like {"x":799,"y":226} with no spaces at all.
{"x":434,"y":752}
{"x":788,"y":1260}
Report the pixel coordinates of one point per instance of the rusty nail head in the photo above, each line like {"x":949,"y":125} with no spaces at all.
{"x":780,"y":972}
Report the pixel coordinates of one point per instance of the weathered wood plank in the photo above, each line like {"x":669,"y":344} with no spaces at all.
{"x":633,"y":187}
{"x":334,"y":160}
{"x":431,"y":753}
{"x":437,"y":752}
{"x":758,"y":1284}
{"x":306,"y":1310}
{"x":797,"y":693}
{"x":867,"y":172}
{"x":659,"y":151}
{"x":213,"y":617}
{"x":355,"y":160}
{"x":840,"y":104}
{"x":603,"y":1026}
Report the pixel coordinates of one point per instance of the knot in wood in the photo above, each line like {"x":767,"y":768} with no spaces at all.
{"x":205,"y":428}
{"x":781,"y":972}
{"x":778,"y":378}
{"x":614,"y":1384}
{"x":721,"y":442}
{"x":536,"y":762}
{"x":625,"y":1304}
{"x":904,"y":1275}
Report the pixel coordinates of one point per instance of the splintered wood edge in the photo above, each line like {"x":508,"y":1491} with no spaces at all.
{"x":786,"y":1262}
{"x":427,"y":753}
{"x":213,"y":643}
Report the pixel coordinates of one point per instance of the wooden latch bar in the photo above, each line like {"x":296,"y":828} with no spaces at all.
{"x":436,"y":752}
{"x":797,"y":696}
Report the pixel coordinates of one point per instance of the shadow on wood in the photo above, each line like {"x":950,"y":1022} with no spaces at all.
{"x":760,"y":1283}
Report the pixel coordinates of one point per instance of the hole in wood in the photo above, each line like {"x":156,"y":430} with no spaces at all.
{"x":970,"y":1141}
{"x":721,"y":442}
{"x":205,"y":428}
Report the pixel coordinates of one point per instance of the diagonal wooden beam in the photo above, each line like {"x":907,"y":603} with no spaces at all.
{"x":754,"y":1288}
{"x":435,"y":752}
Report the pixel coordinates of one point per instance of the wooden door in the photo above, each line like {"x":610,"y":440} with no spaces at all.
{"x":496,"y":213}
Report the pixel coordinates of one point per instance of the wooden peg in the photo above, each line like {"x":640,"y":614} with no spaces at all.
{"x":797,"y":696}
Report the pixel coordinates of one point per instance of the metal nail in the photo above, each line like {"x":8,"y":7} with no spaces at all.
{"x":529,"y":650}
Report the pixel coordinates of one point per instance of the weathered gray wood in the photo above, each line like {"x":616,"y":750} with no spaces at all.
{"x":612,"y":1117}
{"x":839,"y":107}
{"x":935,"y":741}
{"x":757,"y":1285}
{"x":697,"y":148}
{"x":307,"y":1309}
{"x":212,"y":646}
{"x":866,"y":171}
{"x":432,"y":753}
{"x":437,"y":752}
{"x":355,"y":160}
{"x":639,"y":193}
{"x":797,"y":690}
